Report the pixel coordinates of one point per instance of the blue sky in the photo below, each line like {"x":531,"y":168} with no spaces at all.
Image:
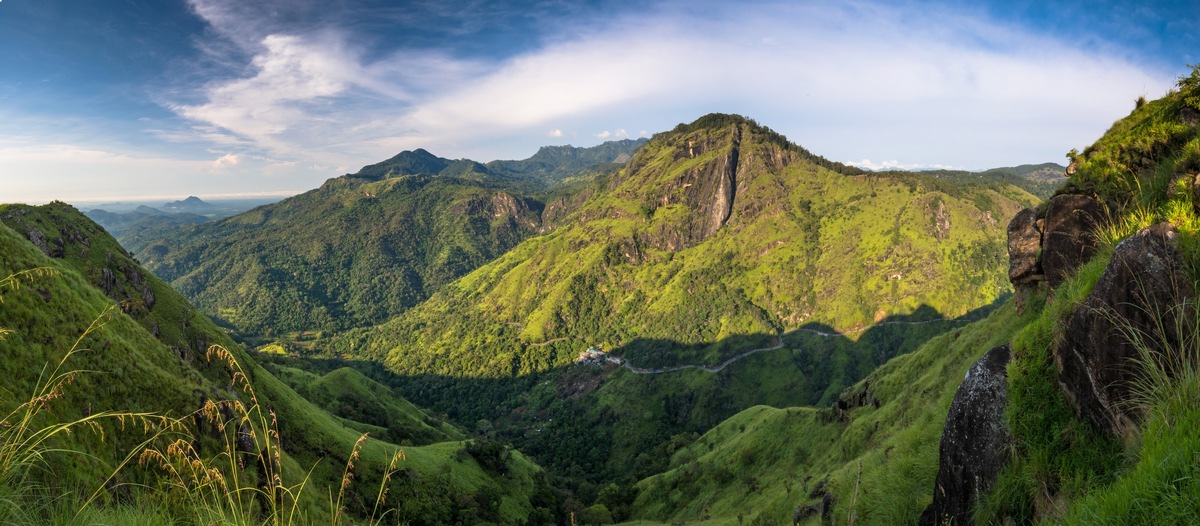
{"x":124,"y":99}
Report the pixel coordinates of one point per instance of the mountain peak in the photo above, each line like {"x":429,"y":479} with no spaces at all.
{"x":408,"y":162}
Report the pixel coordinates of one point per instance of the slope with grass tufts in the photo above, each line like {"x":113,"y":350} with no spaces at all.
{"x":148,"y":351}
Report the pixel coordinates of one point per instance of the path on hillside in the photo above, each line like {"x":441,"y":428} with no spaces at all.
{"x":778,"y":345}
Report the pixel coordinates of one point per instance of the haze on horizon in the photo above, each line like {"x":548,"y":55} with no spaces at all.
{"x":220,"y":98}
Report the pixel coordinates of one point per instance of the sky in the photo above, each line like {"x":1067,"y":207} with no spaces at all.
{"x":105,"y":100}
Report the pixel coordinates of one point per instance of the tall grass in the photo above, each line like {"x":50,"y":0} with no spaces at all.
{"x":242,"y":484}
{"x":29,"y":433}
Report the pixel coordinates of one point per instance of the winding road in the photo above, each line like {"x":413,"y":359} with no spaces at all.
{"x":778,"y":345}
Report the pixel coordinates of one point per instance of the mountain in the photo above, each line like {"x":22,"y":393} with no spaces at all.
{"x":359,"y":250}
{"x":1074,"y":403}
{"x":138,"y":378}
{"x":553,"y":165}
{"x":717,"y":229}
{"x":717,"y":240}
{"x":192,"y":204}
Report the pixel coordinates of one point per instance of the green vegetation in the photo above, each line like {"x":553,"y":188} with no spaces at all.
{"x":881,"y":443}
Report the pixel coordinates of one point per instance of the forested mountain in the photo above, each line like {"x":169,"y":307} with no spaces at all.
{"x":93,"y":342}
{"x":366,"y":246}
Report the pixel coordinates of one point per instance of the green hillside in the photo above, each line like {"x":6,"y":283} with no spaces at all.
{"x":872,"y":457}
{"x":148,"y":352}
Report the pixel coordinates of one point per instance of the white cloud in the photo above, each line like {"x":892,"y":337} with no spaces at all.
{"x":555,"y":133}
{"x":867,"y":164}
{"x":225,"y":161}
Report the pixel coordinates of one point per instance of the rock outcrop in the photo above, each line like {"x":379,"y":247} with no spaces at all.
{"x":975,"y":442}
{"x":1024,"y":247}
{"x":1047,"y":245}
{"x":1068,"y":235}
{"x":1139,"y":293}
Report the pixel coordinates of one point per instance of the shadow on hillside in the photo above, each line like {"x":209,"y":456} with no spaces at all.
{"x":597,"y":423}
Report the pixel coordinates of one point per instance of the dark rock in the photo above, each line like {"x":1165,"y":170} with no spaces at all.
{"x":39,"y":240}
{"x":1068,"y":235}
{"x":1140,"y":290}
{"x":853,"y":398}
{"x":108,"y":282}
{"x":148,"y":298}
{"x":975,"y":442}
{"x":1189,"y":116}
{"x":1024,"y":245}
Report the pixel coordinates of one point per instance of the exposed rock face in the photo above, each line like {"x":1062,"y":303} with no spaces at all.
{"x":1024,"y":243}
{"x":1139,"y":290}
{"x":975,"y":442}
{"x":1068,"y":235}
{"x":709,"y":189}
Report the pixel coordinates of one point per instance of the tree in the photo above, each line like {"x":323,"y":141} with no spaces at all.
{"x":595,"y":514}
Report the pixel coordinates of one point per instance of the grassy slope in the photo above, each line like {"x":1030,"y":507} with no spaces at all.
{"x":368,"y":406}
{"x":135,"y":371}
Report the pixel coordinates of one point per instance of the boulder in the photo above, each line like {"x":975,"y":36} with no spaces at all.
{"x":1068,"y":235}
{"x":975,"y":441}
{"x":1024,"y":246}
{"x":1140,"y":290}
{"x":1189,"y":116}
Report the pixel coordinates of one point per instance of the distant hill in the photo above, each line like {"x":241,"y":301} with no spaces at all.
{"x":192,"y":204}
